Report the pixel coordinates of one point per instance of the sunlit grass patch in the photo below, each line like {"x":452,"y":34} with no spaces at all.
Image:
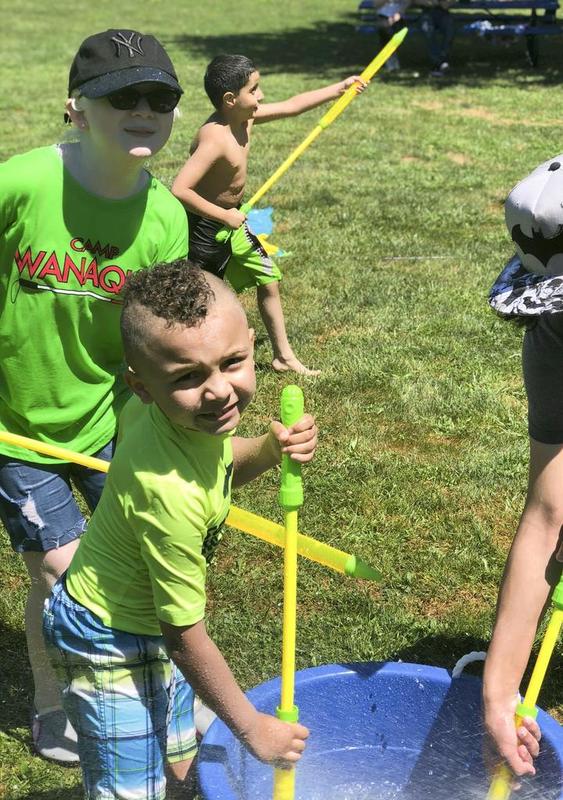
{"x":394,"y":219}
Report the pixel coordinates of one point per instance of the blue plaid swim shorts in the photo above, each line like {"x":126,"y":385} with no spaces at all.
{"x":131,"y":708}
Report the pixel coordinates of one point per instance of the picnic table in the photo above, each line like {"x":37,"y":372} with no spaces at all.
{"x":493,"y":20}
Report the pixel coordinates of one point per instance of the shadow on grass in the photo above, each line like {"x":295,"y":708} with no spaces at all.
{"x":336,"y":47}
{"x":16,"y":686}
{"x":443,"y":650}
{"x":55,"y":794}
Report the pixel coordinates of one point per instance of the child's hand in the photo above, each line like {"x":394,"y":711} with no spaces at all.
{"x":299,"y":441}
{"x":234,"y":218}
{"x":518,"y":747}
{"x":276,"y":742}
{"x":360,"y":84}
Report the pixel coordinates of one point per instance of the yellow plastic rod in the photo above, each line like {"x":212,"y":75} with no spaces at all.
{"x":54,"y":451}
{"x":291,"y":499}
{"x":544,"y":656}
{"x":374,"y":66}
{"x":289,"y":612}
{"x":282,"y":169}
{"x":501,"y":786}
{"x":238,"y":518}
{"x":284,"y":784}
{"x":310,"y":548}
{"x":334,"y":111}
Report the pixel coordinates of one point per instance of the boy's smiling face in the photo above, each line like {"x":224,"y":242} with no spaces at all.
{"x":250,"y":96}
{"x":201,"y":377}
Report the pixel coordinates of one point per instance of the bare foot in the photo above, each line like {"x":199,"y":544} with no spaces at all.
{"x":293,"y":364}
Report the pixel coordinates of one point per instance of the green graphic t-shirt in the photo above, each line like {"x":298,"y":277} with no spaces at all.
{"x":64,"y":256}
{"x":143,"y":557}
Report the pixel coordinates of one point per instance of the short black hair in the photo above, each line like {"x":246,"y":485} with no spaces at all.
{"x":177,"y":292}
{"x":226,"y":73}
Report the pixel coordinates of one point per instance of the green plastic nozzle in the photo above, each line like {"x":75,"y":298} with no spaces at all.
{"x":357,"y":568}
{"x":291,"y":715}
{"x":523,"y":710}
{"x":291,"y":491}
{"x":557,"y":596}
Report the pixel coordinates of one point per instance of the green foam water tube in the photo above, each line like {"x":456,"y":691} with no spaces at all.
{"x":291,"y":491}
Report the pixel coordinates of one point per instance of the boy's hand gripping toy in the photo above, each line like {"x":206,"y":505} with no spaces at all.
{"x":291,"y":499}
{"x":501,"y":786}
{"x":238,"y":518}
{"x":334,"y":111}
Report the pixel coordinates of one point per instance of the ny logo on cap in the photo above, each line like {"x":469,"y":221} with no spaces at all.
{"x":131,"y":45}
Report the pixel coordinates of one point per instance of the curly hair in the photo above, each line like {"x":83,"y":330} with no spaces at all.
{"x":177,"y":292}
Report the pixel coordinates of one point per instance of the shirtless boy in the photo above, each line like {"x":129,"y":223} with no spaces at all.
{"x":211,"y":187}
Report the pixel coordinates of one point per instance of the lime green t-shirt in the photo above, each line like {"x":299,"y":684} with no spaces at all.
{"x":64,"y":256}
{"x":143,"y":557}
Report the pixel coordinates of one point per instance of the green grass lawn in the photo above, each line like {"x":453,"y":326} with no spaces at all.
{"x":395,"y":224}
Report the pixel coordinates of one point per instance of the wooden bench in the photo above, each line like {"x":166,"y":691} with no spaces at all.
{"x":494,"y":20}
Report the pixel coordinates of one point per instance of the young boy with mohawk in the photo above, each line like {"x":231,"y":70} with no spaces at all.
{"x":211,"y":186}
{"x":125,"y":627}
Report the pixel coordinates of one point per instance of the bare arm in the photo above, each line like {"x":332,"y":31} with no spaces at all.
{"x":207,"y":155}
{"x":252,"y":457}
{"x":305,"y":101}
{"x":203,"y":665}
{"x":527,"y":582}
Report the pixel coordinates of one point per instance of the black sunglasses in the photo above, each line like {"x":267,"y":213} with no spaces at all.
{"x":160,"y":100}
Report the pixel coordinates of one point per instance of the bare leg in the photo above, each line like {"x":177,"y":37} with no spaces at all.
{"x":180,"y":780}
{"x":270,"y":307}
{"x":44,"y":569}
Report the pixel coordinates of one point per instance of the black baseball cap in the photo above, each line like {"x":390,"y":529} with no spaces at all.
{"x":115,"y":59}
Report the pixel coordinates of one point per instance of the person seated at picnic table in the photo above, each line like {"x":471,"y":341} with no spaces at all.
{"x":438,"y":27}
{"x":390,"y":19}
{"x":436,"y":24}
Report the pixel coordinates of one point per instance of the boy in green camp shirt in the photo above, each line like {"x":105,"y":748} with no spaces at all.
{"x":126,"y":628}
{"x":75,"y":219}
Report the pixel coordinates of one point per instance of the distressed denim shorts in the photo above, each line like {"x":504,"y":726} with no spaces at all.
{"x":37,"y":505}
{"x":131,"y":708}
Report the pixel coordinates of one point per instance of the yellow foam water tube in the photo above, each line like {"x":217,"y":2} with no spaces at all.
{"x":310,"y":548}
{"x":501,"y":786}
{"x":245,"y":521}
{"x":291,"y":499}
{"x":54,"y":451}
{"x":334,"y":111}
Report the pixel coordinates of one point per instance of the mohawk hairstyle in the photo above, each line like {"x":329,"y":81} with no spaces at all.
{"x":177,"y":292}
{"x":226,"y":73}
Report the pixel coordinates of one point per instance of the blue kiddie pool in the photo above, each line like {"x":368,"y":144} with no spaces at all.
{"x":379,"y":731}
